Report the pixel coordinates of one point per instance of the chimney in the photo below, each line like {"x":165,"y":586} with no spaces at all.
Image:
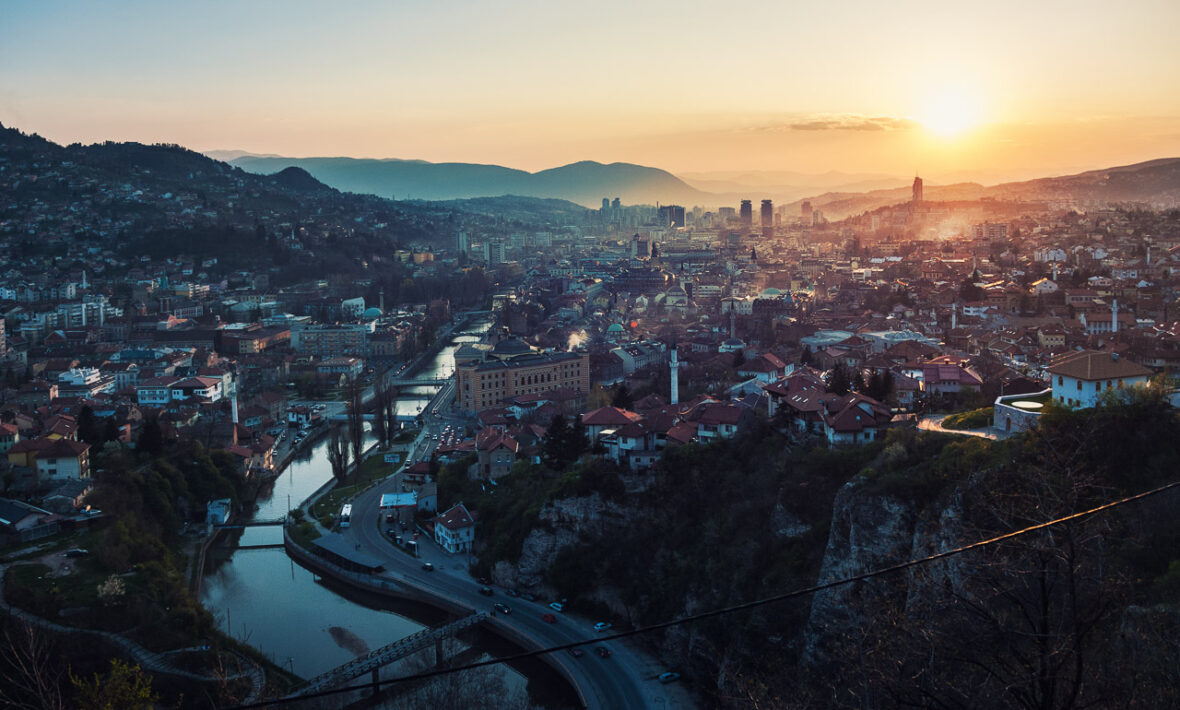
{"x":675,"y":388}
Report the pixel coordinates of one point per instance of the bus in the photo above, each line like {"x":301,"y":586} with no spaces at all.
{"x":345,"y":515}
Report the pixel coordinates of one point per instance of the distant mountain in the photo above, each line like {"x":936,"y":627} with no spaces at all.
{"x":783,"y":185}
{"x":1155,"y":182}
{"x":585,"y":183}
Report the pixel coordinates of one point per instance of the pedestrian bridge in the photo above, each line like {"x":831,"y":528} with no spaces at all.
{"x":415,"y":382}
{"x":372,"y":661}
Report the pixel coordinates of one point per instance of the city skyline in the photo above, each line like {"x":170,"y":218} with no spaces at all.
{"x":1008,"y":92}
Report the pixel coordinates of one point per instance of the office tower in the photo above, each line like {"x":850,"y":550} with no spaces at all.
{"x":747,"y":215}
{"x":605,"y":204}
{"x":917,"y":190}
{"x":671,"y":216}
{"x":807,"y":212}
{"x":462,"y":244}
{"x":767,"y":219}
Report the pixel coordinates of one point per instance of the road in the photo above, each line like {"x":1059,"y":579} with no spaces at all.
{"x":624,"y":680}
{"x":933,"y":422}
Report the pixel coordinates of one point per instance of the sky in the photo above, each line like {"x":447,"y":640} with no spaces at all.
{"x":1006,"y":89}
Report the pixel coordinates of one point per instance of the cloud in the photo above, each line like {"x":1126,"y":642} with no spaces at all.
{"x":844,"y":122}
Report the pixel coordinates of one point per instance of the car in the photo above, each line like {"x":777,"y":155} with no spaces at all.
{"x":486,"y":591}
{"x":75,"y":552}
{"x":502,"y":608}
{"x":557,"y":606}
{"x":602,"y":651}
{"x":428,"y":566}
{"x":577,"y":652}
{"x":528,"y":596}
{"x":391,"y":532}
{"x":513,"y":593}
{"x":602,"y":626}
{"x":390,"y":518}
{"x":548,"y":618}
{"x":668,"y":677}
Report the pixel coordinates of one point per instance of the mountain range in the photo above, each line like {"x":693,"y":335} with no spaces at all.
{"x":1155,"y":182}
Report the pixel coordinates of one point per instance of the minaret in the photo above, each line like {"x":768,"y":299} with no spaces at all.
{"x":732,"y":319}
{"x":83,"y":314}
{"x":84,"y":279}
{"x":1114,"y":316}
{"x":381,"y":299}
{"x":954,"y":315}
{"x":674,"y":398}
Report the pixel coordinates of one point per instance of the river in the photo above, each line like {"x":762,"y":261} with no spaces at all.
{"x":310,"y":626}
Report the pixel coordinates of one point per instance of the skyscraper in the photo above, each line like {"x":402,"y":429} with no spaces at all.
{"x":806,"y":206}
{"x":917,"y":190}
{"x":747,"y":215}
{"x":767,"y":219}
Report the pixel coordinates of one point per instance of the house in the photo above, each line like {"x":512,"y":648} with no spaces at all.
{"x":716,"y":420}
{"x":63,"y":458}
{"x":69,"y":496}
{"x":949,"y":379}
{"x":845,"y":419}
{"x":1079,"y":378}
{"x":24,"y":521}
{"x":9,"y":435}
{"x":454,"y":530}
{"x":603,"y":418}
{"x":496,"y":452}
{"x":767,"y":367}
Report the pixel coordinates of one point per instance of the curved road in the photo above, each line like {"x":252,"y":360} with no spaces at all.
{"x":624,"y":680}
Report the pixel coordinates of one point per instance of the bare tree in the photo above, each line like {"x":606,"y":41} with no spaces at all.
{"x":32,"y":678}
{"x":338,"y":453}
{"x":380,"y":430}
{"x":356,"y":420}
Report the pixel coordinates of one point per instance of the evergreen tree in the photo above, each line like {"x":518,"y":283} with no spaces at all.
{"x":578,"y":444}
{"x":151,"y":438}
{"x":555,"y":451}
{"x":858,"y":382}
{"x":837,"y":381}
{"x":806,"y":358}
{"x":88,"y":429}
{"x":622,"y":397}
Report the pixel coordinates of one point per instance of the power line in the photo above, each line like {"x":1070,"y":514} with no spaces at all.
{"x":729,"y":609}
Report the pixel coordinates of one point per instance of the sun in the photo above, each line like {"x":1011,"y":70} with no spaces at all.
{"x":951,"y":111}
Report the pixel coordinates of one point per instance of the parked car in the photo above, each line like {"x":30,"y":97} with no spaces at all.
{"x":668,"y":677}
{"x":602,"y":626}
{"x":602,"y":651}
{"x":428,"y":566}
{"x":577,"y":652}
{"x":548,"y":618}
{"x":486,"y":591}
{"x":75,"y":552}
{"x":502,"y":608}
{"x":557,"y":606}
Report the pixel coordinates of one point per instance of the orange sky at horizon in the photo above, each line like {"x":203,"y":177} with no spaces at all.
{"x":1008,"y":91}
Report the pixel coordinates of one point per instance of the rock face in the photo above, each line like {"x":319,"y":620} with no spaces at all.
{"x":868,"y":531}
{"x":562,"y":523}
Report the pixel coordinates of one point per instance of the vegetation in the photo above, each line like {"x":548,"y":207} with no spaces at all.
{"x":974,"y":419}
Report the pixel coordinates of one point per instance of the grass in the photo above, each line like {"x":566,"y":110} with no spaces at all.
{"x":974,"y":419}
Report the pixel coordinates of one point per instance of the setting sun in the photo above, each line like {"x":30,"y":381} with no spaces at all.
{"x":951,"y":111}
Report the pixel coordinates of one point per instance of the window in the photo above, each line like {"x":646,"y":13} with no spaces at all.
{"x":1079,"y":385}
{"x":1060,"y":380}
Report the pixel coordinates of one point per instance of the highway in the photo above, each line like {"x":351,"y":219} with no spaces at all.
{"x":623,"y":680}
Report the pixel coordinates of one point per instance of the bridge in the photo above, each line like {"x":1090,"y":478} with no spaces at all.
{"x":374,"y":660}
{"x":416,"y":382}
{"x":251,"y":524}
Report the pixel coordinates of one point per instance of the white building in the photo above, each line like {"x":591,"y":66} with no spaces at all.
{"x":454,"y":530}
{"x":1080,"y":378}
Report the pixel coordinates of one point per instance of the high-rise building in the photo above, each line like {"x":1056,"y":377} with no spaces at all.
{"x":747,"y":215}
{"x":767,"y":219}
{"x":917,"y":190}
{"x":605,"y":204}
{"x":806,"y":212}
{"x":671,"y":215}
{"x":494,"y":253}
{"x":462,"y":245}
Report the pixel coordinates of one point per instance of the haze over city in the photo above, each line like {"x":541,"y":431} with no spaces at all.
{"x":1010,"y":90}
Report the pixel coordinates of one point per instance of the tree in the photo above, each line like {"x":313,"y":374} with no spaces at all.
{"x":380,"y":428}
{"x":338,"y":453}
{"x":356,"y":420}
{"x":555,"y":446}
{"x":151,"y":437}
{"x":88,"y":429}
{"x":806,"y":358}
{"x":31,"y":679}
{"x":621,"y":397}
{"x":837,"y":380}
{"x":968,"y":291}
{"x":124,"y":687}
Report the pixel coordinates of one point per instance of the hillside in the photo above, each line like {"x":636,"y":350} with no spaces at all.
{"x":585,"y":183}
{"x":1155,"y":182}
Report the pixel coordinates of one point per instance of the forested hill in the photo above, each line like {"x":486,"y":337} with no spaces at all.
{"x":164,"y":200}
